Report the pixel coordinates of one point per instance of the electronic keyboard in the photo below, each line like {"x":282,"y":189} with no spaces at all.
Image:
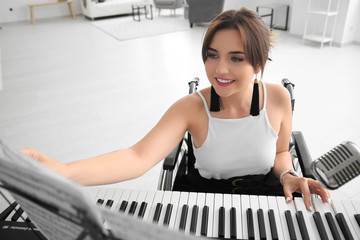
{"x":234,"y":216}
{"x":215,"y":216}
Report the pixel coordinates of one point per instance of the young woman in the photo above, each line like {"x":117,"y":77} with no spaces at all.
{"x":240,"y":128}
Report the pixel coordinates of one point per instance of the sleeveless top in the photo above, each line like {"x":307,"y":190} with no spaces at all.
{"x":236,"y":147}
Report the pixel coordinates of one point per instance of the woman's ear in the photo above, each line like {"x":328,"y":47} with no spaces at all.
{"x":257,"y":70}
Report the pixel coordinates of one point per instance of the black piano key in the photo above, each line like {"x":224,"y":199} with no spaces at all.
{"x":302,"y":225}
{"x":290,"y":225}
{"x":142,"y":209}
{"x":4,"y":214}
{"x":157,"y":212}
{"x":183,"y":217}
{"x":169,"y":208}
{"x":17,"y":214}
{"x":274,"y":233}
{"x":100,"y":201}
{"x":261,"y":221}
{"x":233,"y":223}
{"x":123,"y":206}
{"x":133,"y":207}
{"x":221,"y":229}
{"x":357,"y":217}
{"x":109,"y":203}
{"x":343,"y":226}
{"x":331,"y":222}
{"x":204,"y":221}
{"x":250,"y":224}
{"x":194,"y":217}
{"x":320,"y":226}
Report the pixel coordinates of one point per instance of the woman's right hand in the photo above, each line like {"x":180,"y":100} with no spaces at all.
{"x":54,"y":165}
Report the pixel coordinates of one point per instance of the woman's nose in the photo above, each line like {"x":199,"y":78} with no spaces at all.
{"x":222,"y":67}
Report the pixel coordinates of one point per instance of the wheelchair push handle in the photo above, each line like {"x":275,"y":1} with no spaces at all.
{"x":290,"y":87}
{"x":193,"y":85}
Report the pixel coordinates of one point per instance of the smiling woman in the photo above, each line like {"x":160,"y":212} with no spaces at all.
{"x":229,"y":143}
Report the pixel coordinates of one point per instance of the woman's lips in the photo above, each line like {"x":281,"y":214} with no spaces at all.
{"x":224,"y":82}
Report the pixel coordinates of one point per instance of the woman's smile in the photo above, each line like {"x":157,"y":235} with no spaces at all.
{"x":224,"y":82}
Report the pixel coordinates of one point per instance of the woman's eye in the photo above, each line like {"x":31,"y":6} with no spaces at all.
{"x":236,"y":59}
{"x":211,"y":55}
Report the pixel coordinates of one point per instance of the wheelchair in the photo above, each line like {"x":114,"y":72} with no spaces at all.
{"x":181,"y":160}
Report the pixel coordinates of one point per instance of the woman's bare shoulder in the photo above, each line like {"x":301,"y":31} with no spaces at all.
{"x":277,"y":93}
{"x":193,"y":102}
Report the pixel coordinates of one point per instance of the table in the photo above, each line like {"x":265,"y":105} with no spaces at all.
{"x":136,"y":10}
{"x":32,"y":5}
{"x":272,"y":7}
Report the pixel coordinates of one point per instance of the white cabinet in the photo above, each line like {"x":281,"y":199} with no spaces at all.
{"x":321,"y":20}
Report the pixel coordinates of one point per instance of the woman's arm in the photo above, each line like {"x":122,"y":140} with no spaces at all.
{"x":131,"y":162}
{"x":283,"y":161}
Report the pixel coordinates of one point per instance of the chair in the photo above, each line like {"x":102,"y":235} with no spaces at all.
{"x":179,"y":161}
{"x":202,"y":11}
{"x":168,"y":4}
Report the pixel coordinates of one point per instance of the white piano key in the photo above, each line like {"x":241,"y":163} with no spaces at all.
{"x":165,"y":201}
{"x":109,"y":195}
{"x":236,"y":203}
{"x":132,"y":197}
{"x":328,"y":208}
{"x":101,"y":194}
{"x":350,"y":211}
{"x":116,"y":199}
{"x":319,"y":206}
{"x":339,"y":208}
{"x":210,"y":203}
{"x":282,"y":208}
{"x":273,"y":205}
{"x":218,"y":202}
{"x":254,"y":204}
{"x":227,"y":204}
{"x":140,"y":199}
{"x":150,"y":195}
{"x":183,"y":200}
{"x":291,"y":206}
{"x":157,"y":199}
{"x":309,"y":220}
{"x":245,"y":204}
{"x":175,"y":202}
{"x":356,"y":205}
{"x":200,"y":202}
{"x":191,"y":202}
{"x":263,"y":204}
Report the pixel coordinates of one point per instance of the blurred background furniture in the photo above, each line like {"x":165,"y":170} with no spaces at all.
{"x":168,"y":4}
{"x":273,"y":7}
{"x":203,"y":11}
{"x":104,"y":8}
{"x":32,"y":5}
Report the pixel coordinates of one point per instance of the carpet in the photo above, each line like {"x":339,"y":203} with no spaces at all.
{"x":124,"y":28}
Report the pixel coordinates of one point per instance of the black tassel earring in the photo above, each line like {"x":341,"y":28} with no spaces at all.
{"x":214,"y":101}
{"x":254,"y":110}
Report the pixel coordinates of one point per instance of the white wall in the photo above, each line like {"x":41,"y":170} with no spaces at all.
{"x":351,"y":26}
{"x":20,"y":10}
{"x":347,"y":28}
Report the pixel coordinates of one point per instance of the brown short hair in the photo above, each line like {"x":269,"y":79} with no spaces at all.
{"x":254,"y":33}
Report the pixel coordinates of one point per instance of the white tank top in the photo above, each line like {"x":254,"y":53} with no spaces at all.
{"x":237,"y":147}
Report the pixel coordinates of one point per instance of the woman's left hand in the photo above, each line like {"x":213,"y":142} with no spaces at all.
{"x":305,"y":186}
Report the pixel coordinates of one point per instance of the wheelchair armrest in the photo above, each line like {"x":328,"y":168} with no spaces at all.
{"x":169,"y":168}
{"x":170,"y":160}
{"x":303,"y":154}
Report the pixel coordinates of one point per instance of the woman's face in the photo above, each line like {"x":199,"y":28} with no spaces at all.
{"x":226,"y":65}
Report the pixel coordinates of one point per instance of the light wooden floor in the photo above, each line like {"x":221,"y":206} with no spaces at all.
{"x":71,"y":91}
